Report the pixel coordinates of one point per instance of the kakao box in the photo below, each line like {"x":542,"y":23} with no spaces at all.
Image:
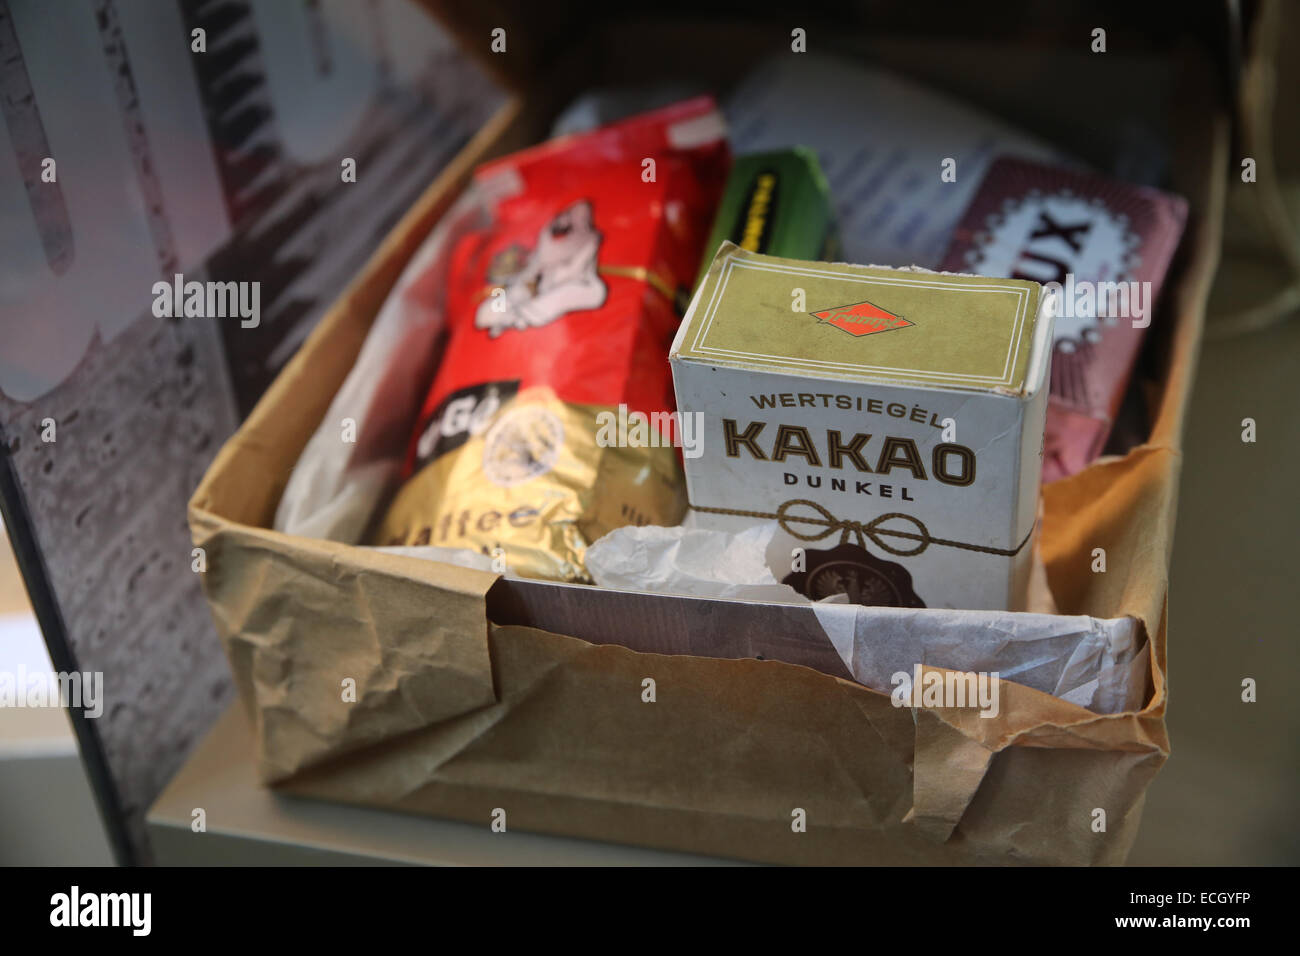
{"x":890,"y":420}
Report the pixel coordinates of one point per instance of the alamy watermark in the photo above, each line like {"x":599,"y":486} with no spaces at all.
{"x":211,"y":300}
{"x":133,"y":911}
{"x":936,"y":688}
{"x":77,"y":690}
{"x":1111,"y":301}
{"x":627,"y":429}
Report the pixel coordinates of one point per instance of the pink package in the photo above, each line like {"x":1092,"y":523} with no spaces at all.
{"x":1108,"y":245}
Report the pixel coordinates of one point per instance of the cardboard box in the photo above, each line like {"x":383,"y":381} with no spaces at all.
{"x":476,"y":694}
{"x":901,"y":409}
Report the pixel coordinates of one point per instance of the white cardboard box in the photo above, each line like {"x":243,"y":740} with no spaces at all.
{"x":890,"y":420}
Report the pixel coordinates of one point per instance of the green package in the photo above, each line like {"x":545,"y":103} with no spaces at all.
{"x":778,"y":204}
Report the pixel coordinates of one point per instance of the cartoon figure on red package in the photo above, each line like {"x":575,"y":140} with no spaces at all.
{"x":558,"y":276}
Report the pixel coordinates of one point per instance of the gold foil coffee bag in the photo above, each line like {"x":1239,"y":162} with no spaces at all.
{"x":891,"y":422}
{"x":560,"y":316}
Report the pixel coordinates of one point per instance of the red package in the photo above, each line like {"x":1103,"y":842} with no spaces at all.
{"x":562,"y":310}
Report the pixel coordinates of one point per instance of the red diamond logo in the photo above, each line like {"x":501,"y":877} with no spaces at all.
{"x":862,"y":318}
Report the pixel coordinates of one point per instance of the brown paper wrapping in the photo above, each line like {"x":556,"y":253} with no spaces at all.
{"x":456,"y":717}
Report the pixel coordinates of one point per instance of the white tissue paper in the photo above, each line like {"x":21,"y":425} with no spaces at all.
{"x":336,"y":486}
{"x":1096,"y":663}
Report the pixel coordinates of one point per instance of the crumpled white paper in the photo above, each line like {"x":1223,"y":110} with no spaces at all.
{"x":336,"y":486}
{"x":701,"y":562}
{"x":1093,"y":662}
{"x":1100,"y":664}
